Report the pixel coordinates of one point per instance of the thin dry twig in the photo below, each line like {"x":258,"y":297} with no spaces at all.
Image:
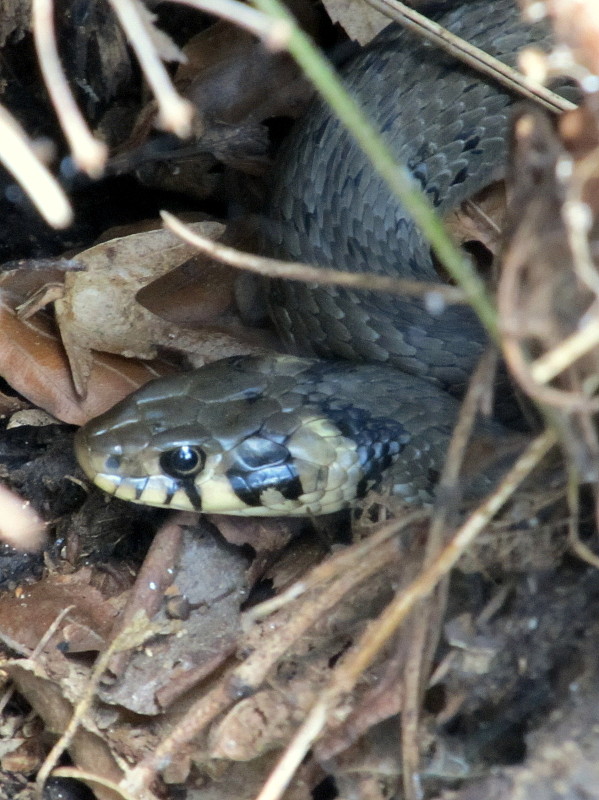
{"x":296,"y":271}
{"x":250,"y":675}
{"x":556,"y":361}
{"x":333,"y":567}
{"x":379,"y":632}
{"x":175,"y":113}
{"x":20,"y":160}
{"x":88,"y":153}
{"x":424,"y":632}
{"x":469,"y":54}
{"x":133,"y":636}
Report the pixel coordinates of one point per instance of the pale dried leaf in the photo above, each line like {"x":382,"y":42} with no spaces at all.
{"x":99,"y":310}
{"x":360,"y":21}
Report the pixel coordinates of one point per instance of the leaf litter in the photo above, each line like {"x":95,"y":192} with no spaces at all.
{"x":216,"y":685}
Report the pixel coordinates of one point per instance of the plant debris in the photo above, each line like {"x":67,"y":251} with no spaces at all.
{"x":389,"y":652}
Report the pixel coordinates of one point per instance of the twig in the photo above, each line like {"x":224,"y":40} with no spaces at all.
{"x":378,"y":633}
{"x":578,"y":344}
{"x":250,"y":675}
{"x":88,"y":153}
{"x":422,"y":633}
{"x":21,"y":161}
{"x":175,"y":113}
{"x":131,"y":637}
{"x":473,"y":56}
{"x":296,"y":271}
{"x":332,"y":567}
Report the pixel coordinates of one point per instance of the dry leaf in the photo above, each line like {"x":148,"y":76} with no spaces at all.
{"x":99,"y":310}
{"x":34,"y":363}
{"x":360,"y":21}
{"x":481,"y":218}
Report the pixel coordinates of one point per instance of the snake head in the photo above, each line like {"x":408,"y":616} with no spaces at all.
{"x":235,"y":437}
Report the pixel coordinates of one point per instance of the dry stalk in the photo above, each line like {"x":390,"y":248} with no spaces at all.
{"x":175,"y":113}
{"x":333,"y":567}
{"x":482,"y":62}
{"x":379,"y":632}
{"x":88,"y":153}
{"x":249,"y":676}
{"x":20,"y":159}
{"x":296,"y":271}
{"x":133,"y":636}
{"x":425,"y":630}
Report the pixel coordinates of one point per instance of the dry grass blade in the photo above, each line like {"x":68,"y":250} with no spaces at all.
{"x":21,"y":161}
{"x":482,"y":62}
{"x":175,"y":112}
{"x":88,"y":153}
{"x":380,"y":631}
{"x":273,"y":268}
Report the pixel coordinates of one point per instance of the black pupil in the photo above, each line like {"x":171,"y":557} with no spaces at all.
{"x":182,"y":461}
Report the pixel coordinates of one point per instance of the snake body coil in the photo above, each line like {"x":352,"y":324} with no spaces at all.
{"x":283,"y":435}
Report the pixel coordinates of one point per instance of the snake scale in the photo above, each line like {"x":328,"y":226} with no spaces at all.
{"x":287,"y":435}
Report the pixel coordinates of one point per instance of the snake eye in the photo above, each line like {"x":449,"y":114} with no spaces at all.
{"x":182,"y":461}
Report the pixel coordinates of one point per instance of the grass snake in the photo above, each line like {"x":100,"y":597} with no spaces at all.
{"x":287,"y":435}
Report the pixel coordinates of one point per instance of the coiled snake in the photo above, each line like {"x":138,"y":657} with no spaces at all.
{"x":283,"y":435}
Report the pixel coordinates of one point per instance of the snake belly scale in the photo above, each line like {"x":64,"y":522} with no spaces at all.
{"x":287,"y":435}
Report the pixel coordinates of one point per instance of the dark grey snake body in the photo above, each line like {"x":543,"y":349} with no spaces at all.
{"x":273,"y":436}
{"x":449,"y":126}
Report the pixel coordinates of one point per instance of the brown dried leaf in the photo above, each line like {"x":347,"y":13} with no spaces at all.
{"x":481,"y":218}
{"x":34,"y":363}
{"x":99,"y":310}
{"x":231,"y":78}
{"x":199,"y":292}
{"x":235,"y":84}
{"x":153,"y":678}
{"x":27,"y":615}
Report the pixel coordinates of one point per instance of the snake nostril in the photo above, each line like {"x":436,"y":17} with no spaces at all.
{"x":113,"y":463}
